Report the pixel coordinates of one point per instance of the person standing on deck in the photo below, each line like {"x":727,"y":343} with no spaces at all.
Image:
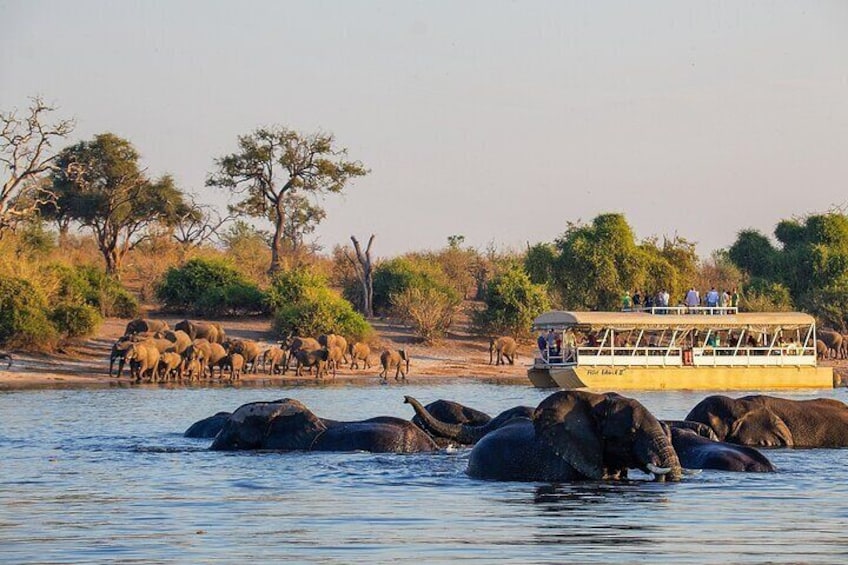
{"x":543,"y":346}
{"x":693,"y":299}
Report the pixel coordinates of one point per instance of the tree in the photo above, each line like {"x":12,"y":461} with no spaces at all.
{"x":196,"y":224}
{"x":512,"y":302}
{"x":26,"y":155}
{"x":99,"y":184}
{"x":365,"y":273}
{"x":274,"y":166}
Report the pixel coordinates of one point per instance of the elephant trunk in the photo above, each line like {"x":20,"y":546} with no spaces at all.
{"x":461,"y":433}
{"x":657,"y":456}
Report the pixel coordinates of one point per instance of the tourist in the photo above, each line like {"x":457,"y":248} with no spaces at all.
{"x":734,"y":299}
{"x":543,"y":346}
{"x":626,"y":302}
{"x":693,"y":299}
{"x":712,"y":298}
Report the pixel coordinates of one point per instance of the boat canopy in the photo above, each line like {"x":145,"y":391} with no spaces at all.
{"x":559,"y":319}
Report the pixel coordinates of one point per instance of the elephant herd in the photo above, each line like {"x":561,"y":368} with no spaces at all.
{"x":570,"y":435}
{"x":193,"y":350}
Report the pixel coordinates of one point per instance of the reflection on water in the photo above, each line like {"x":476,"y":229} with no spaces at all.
{"x":92,"y":475}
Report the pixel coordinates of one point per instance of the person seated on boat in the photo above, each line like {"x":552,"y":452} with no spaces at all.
{"x":592,"y":340}
{"x":711,"y":344}
{"x":543,"y":346}
{"x":792,"y":347}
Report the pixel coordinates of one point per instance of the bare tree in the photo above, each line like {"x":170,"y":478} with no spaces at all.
{"x":197,"y":224}
{"x":26,"y":155}
{"x":365,"y":274}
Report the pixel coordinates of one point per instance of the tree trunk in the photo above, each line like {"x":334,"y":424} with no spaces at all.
{"x":365,"y":272}
{"x":277,"y":252}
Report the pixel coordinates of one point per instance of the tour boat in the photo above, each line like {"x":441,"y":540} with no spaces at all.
{"x":677,"y":348}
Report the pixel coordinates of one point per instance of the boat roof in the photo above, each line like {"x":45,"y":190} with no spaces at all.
{"x":628,"y":320}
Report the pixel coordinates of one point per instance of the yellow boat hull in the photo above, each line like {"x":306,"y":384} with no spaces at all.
{"x":682,"y":378}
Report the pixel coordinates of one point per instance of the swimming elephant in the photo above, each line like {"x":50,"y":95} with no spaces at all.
{"x":207,"y":428}
{"x":288,"y":425}
{"x":768,"y":421}
{"x":505,"y":347}
{"x":698,"y":452}
{"x":576,"y":435}
{"x":460,"y":424}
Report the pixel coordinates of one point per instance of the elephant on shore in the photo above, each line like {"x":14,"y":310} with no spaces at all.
{"x":145,"y":325}
{"x":768,"y":421}
{"x":210,"y":331}
{"x":575,"y":435}
{"x":8,"y":357}
{"x":288,"y":425}
{"x":505,"y":347}
{"x":398,"y":360}
{"x":698,"y":452}
{"x":833,"y":340}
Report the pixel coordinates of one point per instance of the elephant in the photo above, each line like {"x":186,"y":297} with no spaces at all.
{"x":248,"y":349}
{"x":213,"y":332}
{"x":359,"y":352}
{"x":272,"y":358}
{"x":821,"y":349}
{"x":8,"y":357}
{"x":334,"y":356}
{"x":143,"y":358}
{"x":235,"y":362}
{"x":577,"y":435}
{"x":390,"y":359}
{"x":767,"y":421}
{"x":119,"y":354}
{"x":312,"y":358}
{"x":288,"y":425}
{"x":505,"y":347}
{"x":141,"y":325}
{"x":170,"y":363}
{"x":460,"y":424}
{"x":698,"y":452}
{"x":833,"y":341}
{"x":207,"y":428}
{"x":179,"y":338}
{"x":330,"y":340}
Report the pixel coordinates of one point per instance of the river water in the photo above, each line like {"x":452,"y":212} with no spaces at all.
{"x":92,"y":475}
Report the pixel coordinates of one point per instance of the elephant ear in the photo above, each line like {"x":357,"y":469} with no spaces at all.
{"x":567,"y":422}
{"x":760,"y":427}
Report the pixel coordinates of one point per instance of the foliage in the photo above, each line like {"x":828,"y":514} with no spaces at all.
{"x":23,"y":317}
{"x":248,"y":248}
{"x":810,"y":263}
{"x":26,"y":155}
{"x":761,"y":295}
{"x":209,"y":287}
{"x":512,"y":302}
{"x":90,"y":285}
{"x":75,"y":320}
{"x":429,"y":311}
{"x":540,"y":263}
{"x":274,"y":169}
{"x":99,"y":184}
{"x":304,"y":305}
{"x":394,"y":276}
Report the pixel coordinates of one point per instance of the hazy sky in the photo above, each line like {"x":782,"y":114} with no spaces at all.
{"x":497,"y":120}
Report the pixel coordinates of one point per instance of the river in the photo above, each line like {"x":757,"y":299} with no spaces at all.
{"x":93,"y":475}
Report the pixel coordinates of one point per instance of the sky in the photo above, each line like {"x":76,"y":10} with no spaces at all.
{"x":499,"y":121}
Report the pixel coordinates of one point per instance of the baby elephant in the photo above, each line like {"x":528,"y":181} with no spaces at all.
{"x":236,"y":363}
{"x":397,"y":360}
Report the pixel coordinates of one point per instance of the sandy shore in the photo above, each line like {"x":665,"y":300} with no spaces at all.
{"x":86,"y":363}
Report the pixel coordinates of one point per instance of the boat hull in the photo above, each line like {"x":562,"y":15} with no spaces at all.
{"x":682,"y":378}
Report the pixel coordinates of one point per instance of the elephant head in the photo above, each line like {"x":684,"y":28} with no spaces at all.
{"x":284,"y":425}
{"x":604,"y":434}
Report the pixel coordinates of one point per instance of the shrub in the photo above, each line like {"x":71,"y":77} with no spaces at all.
{"x":23,"y":318}
{"x":304,"y":305}
{"x":209,"y":287}
{"x":87,"y":284}
{"x":428,"y":311}
{"x":75,"y":320}
{"x":395,"y":276}
{"x":512,"y":302}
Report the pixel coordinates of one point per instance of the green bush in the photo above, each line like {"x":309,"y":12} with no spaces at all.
{"x":209,"y":287}
{"x":87,"y":284}
{"x":512,"y":302}
{"x":23,"y":317}
{"x":397,"y":275}
{"x":428,"y":311}
{"x":75,"y":320}
{"x":304,"y":305}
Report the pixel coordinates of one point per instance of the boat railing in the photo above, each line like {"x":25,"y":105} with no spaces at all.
{"x":677,"y":310}
{"x":681,"y":356}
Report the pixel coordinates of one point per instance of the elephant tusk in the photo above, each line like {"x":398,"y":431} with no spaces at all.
{"x":691,"y":472}
{"x":658,"y":470}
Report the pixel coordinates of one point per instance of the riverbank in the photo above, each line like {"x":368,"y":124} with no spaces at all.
{"x":85,"y":363}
